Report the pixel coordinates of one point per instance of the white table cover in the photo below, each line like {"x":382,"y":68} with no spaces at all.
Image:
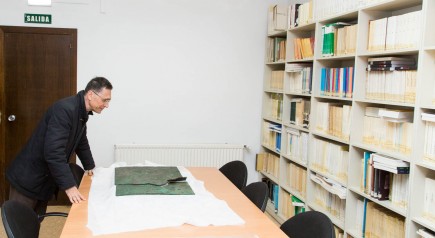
{"x":108,"y":213}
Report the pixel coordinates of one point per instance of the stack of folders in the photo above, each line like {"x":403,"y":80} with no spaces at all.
{"x":329,"y":185}
{"x":396,"y":115}
{"x":389,"y":164}
{"x":391,"y":63}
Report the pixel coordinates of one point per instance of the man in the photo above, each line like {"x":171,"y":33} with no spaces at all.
{"x":42,"y":165}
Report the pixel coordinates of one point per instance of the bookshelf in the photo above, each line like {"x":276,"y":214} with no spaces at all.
{"x":326,"y":105}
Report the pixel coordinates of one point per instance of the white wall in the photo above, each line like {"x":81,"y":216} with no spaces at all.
{"x":183,"y":71}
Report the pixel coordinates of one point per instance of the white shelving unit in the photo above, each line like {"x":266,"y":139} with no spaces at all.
{"x":420,"y":169}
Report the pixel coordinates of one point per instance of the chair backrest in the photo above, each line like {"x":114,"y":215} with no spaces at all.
{"x":237,"y":172}
{"x":77,"y":172}
{"x":19,"y":220}
{"x":258,"y":193}
{"x":310,"y":224}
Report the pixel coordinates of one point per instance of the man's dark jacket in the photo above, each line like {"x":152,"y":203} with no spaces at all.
{"x":43,"y":162}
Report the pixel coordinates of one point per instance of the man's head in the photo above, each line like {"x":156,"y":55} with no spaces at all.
{"x":98,"y":94}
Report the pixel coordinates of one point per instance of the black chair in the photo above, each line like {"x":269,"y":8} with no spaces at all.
{"x":20,"y":221}
{"x":237,"y":172}
{"x":310,"y":224}
{"x":258,"y":193}
{"x":77,"y":172}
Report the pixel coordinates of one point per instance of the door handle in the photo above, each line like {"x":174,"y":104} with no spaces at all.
{"x":11,"y":118}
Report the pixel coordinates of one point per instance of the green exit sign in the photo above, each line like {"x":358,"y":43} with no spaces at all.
{"x":37,"y":18}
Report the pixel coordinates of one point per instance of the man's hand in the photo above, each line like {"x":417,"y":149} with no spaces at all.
{"x":89,"y":172}
{"x":74,"y":195}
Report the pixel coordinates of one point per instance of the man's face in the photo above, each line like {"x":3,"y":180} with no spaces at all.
{"x":100,"y":100}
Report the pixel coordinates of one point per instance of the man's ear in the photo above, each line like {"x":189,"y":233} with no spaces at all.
{"x":88,"y":95}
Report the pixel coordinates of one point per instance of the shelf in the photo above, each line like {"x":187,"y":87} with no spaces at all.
{"x":274,"y":120}
{"x":330,"y":137}
{"x":293,"y":192}
{"x":343,"y":17}
{"x":387,"y":204}
{"x":387,"y":52}
{"x":392,"y":5}
{"x":275,"y":63}
{"x":393,"y":154}
{"x":333,"y":98}
{"x":429,"y":106}
{"x":300,"y":60}
{"x":304,"y":27}
{"x":271,"y":177}
{"x":385,"y":102}
{"x":326,"y":112}
{"x":296,"y":161}
{"x":339,"y":223}
{"x":426,"y":164}
{"x":424,"y":222}
{"x":298,"y":94}
{"x":336,"y":58}
{"x":270,"y":209}
{"x":276,"y":33}
{"x":273,"y":91}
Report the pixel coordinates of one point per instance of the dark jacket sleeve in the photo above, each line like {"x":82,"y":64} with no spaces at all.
{"x":83,"y":151}
{"x":57,"y":135}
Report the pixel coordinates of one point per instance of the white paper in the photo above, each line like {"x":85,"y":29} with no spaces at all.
{"x":108,"y":213}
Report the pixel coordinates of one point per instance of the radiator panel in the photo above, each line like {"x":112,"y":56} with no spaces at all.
{"x":188,"y":155}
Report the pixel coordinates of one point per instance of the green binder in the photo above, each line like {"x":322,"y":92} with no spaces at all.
{"x":150,"y":181}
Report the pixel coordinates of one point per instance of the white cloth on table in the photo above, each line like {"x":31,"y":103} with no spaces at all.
{"x":108,"y":213}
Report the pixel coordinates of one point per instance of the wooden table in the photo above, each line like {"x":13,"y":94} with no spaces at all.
{"x":257,"y":224}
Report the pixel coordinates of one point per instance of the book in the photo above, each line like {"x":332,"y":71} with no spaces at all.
{"x":365,"y":168}
{"x":280,"y":17}
{"x":391,"y":62}
{"x":397,"y":114}
{"x":294,"y":15}
{"x":260,"y":161}
{"x":382,"y":159}
{"x":275,"y":196}
{"x":427,"y":117}
{"x":372,"y":111}
{"x":394,"y":170}
{"x":298,"y":204}
{"x":391,"y":58}
{"x":374,"y":192}
{"x":279,"y":49}
{"x":383,"y":185}
{"x":377,"y":34}
{"x":429,"y":201}
{"x":374,"y":68}
{"x":390,"y":41}
{"x":364,"y":216}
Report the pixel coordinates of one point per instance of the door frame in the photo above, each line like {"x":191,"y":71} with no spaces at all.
{"x":4,"y":190}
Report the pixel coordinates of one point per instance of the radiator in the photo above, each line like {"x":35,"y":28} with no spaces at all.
{"x":189,"y":155}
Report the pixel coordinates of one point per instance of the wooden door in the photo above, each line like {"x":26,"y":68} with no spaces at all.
{"x":37,"y":67}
